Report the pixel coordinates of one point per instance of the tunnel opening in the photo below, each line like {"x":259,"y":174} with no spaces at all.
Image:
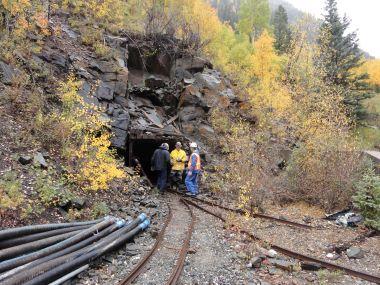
{"x":142,"y":149}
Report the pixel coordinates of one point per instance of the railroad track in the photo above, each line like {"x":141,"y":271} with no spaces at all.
{"x":159,"y":244}
{"x":294,"y":254}
{"x":255,"y":215}
{"x":177,"y":269}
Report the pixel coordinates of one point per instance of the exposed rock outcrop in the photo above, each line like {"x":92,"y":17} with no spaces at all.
{"x":145,"y":88}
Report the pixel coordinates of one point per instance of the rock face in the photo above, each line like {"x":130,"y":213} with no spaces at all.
{"x":143,"y":87}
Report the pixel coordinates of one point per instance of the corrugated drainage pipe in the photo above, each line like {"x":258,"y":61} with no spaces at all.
{"x":34,"y":245}
{"x":18,"y":232}
{"x":67,"y":250}
{"x":33,"y":237}
{"x":39,"y":266}
{"x":88,"y":257}
{"x":15,"y":262}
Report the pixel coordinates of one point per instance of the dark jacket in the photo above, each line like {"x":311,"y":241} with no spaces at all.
{"x":160,"y":159}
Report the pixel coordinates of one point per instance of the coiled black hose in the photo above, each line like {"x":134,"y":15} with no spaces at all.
{"x":34,"y":245}
{"x":29,"y":238}
{"x":35,"y":270}
{"x":18,"y":232}
{"x":12,"y":273}
{"x":57,"y":272}
{"x":15,"y":262}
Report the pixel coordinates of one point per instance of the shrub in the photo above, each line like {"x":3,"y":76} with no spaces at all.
{"x":47,"y":190}
{"x":367,"y":198}
{"x":78,"y":132}
{"x":11,"y":195}
{"x":99,"y":209}
{"x":323,"y":171}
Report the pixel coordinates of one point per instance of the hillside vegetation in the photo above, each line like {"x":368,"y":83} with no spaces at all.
{"x":282,"y":73}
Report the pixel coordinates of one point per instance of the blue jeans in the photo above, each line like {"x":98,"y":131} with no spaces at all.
{"x":192,"y":182}
{"x":162,"y":176}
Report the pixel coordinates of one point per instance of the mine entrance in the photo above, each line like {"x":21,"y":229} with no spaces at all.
{"x":142,"y":147}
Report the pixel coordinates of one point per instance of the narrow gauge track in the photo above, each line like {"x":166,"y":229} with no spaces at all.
{"x":241,"y":212}
{"x":293,"y":254}
{"x":177,"y":269}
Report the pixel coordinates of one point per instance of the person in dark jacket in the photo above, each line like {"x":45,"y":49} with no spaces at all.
{"x":159,"y":163}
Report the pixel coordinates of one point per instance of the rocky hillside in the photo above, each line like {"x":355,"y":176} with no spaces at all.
{"x":148,"y":92}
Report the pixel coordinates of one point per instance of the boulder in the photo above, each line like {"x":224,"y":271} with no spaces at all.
{"x":208,"y":80}
{"x":121,"y":88}
{"x":190,"y":113}
{"x":355,"y":252}
{"x":213,"y":99}
{"x":229,"y":94}
{"x":190,"y":96}
{"x":7,"y":73}
{"x":25,"y":159}
{"x":121,"y":121}
{"x":107,"y":67}
{"x":105,"y":91}
{"x":39,"y":160}
{"x":182,"y":74}
{"x":119,"y":138}
{"x":192,"y":64}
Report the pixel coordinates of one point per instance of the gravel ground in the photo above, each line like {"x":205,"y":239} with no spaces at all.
{"x":220,"y":255}
{"x":317,"y":243}
{"x":162,"y":263}
{"x":214,"y":259}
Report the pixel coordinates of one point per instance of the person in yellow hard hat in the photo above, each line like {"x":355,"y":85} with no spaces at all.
{"x":177,"y":159}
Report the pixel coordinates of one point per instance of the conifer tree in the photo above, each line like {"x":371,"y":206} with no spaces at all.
{"x":339,"y":57}
{"x":282,"y":31}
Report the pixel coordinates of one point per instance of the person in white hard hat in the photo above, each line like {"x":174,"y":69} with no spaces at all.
{"x":193,"y":169}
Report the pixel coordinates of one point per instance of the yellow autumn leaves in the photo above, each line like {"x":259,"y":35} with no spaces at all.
{"x":90,"y":162}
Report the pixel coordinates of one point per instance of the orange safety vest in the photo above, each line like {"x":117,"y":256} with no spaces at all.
{"x":198,"y":165}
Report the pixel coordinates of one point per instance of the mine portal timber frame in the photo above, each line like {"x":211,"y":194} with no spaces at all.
{"x":150,"y":133}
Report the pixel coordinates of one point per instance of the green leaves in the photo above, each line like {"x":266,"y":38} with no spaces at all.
{"x":254,"y":17}
{"x":367,"y":198}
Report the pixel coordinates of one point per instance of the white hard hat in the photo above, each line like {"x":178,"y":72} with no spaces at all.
{"x":193,"y":145}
